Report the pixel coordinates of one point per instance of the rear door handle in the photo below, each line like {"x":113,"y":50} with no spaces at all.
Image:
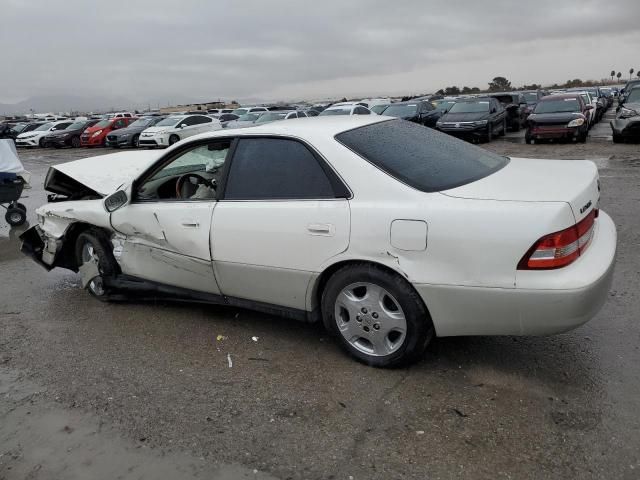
{"x":320,"y":229}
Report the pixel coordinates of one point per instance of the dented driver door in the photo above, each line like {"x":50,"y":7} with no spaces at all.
{"x":166,"y":227}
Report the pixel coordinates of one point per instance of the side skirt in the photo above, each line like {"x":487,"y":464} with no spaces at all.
{"x":128,"y":287}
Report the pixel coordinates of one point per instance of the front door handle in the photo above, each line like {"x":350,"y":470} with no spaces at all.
{"x":320,"y":229}
{"x":190,"y":224}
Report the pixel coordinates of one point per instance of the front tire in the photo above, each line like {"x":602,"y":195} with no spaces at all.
{"x":42,"y":143}
{"x":174,"y":139}
{"x":135,"y":141}
{"x":503,"y":130}
{"x":377,"y":316}
{"x":75,"y":142}
{"x":617,"y":138}
{"x":93,"y":246}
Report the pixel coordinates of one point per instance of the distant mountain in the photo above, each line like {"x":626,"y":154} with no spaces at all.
{"x":65,"y":103}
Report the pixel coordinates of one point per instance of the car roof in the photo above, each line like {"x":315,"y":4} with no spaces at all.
{"x":307,"y":128}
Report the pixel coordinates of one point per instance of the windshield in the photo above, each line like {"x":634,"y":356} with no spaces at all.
{"x":423,"y":158}
{"x":378,"y":108}
{"x":407,"y":110}
{"x":470,"y":107}
{"x":76,"y":125}
{"x":586,"y":98}
{"x":531,"y":97}
{"x":240,"y":111}
{"x":44,"y":127}
{"x":272,"y":116}
{"x":634,"y":96}
{"x":168,"y":122}
{"x":103,"y":124}
{"x":336,"y":111}
{"x":560,"y":105}
{"x":142,"y":122}
{"x":442,"y":105}
{"x":18,"y":128}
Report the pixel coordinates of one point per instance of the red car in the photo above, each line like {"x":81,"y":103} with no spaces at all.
{"x":96,"y":136}
{"x":563,"y":116}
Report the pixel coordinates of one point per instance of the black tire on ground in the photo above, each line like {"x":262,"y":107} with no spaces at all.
{"x":419,"y":327}
{"x":75,"y":142}
{"x":516,"y":126}
{"x":173,"y":139}
{"x":528,"y":140}
{"x":617,"y":138}
{"x":135,"y":141}
{"x":20,"y":206}
{"x":42,"y":143}
{"x":15,"y":216}
{"x":489,"y":136}
{"x":503,"y":130}
{"x":107,"y":265}
{"x":582,"y":138}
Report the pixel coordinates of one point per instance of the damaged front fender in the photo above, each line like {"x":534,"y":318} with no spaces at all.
{"x":52,"y":242}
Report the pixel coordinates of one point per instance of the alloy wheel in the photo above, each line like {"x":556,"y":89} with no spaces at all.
{"x":370,"y":319}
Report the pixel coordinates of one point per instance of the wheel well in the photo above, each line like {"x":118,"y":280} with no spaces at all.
{"x":67,"y":256}
{"x":324,"y":277}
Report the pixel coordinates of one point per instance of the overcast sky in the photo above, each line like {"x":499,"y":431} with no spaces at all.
{"x":291,"y":49}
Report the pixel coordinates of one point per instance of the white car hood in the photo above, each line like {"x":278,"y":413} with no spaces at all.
{"x":102,"y":174}
{"x":154,"y":130}
{"x":32,"y":132}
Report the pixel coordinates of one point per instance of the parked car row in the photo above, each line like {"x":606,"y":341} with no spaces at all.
{"x":559,"y":114}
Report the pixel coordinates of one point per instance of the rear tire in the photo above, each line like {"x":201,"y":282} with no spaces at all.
{"x":617,"y":138}
{"x":93,"y":245}
{"x":377,"y":316}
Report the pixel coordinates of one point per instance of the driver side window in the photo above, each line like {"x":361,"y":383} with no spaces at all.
{"x":193,"y":174}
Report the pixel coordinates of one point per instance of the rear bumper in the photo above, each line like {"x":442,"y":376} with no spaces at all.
{"x":543,"y":303}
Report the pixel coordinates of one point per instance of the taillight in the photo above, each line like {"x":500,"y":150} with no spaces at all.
{"x":561,"y":248}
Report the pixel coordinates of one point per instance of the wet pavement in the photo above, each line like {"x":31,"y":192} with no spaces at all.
{"x":145,"y":390}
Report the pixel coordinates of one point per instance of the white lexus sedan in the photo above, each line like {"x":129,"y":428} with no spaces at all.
{"x":386,"y":231}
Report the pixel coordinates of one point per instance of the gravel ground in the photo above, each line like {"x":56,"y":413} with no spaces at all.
{"x":145,"y":390}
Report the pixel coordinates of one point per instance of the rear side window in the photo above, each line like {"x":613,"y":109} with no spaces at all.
{"x":273,"y":168}
{"x":425,"y":159}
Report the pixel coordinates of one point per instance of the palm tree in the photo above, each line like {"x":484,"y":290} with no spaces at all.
{"x":638,"y":74}
{"x":619,"y":75}
{"x":631,"y":73}
{"x":613,"y":74}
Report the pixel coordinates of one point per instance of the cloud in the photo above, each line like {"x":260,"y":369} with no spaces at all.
{"x":159,"y":50}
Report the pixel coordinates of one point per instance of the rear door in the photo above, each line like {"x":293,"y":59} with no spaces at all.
{"x":283,"y":215}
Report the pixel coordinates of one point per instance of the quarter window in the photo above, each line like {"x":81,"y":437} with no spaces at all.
{"x":274,"y":168}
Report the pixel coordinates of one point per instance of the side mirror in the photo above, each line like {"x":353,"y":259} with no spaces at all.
{"x":116,"y":200}
{"x":589,"y":107}
{"x":183,"y":125}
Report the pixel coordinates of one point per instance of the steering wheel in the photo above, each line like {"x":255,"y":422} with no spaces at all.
{"x":186,"y":190}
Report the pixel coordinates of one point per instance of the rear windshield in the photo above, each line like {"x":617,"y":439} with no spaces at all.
{"x":421,"y":157}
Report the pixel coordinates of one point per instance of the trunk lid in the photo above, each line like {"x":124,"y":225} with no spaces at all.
{"x":532,"y":180}
{"x":100,"y":175}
